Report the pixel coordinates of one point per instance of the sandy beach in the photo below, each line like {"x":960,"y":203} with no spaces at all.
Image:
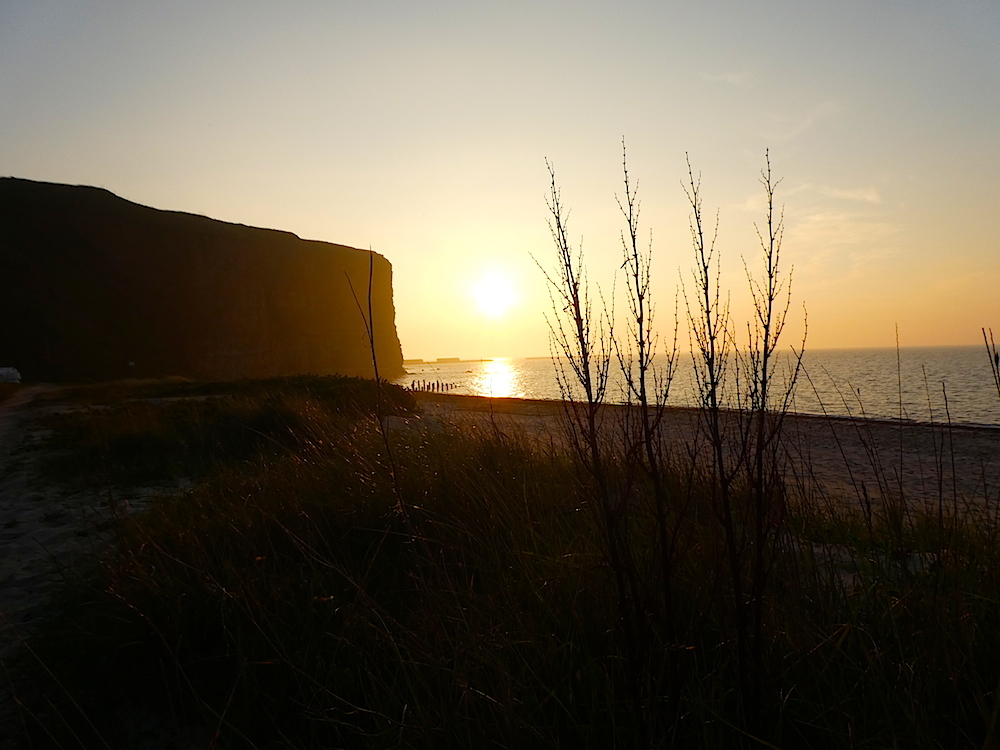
{"x":832,"y":459}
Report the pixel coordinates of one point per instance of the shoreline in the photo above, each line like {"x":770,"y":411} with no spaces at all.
{"x":922,"y":384}
{"x":512,"y":404}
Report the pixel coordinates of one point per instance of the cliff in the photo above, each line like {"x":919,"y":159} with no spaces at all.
{"x":94,"y":287}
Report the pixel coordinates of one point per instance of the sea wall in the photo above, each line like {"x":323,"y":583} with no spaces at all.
{"x":94,"y":287}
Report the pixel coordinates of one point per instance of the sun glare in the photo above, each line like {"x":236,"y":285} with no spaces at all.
{"x":498,"y":379}
{"x":494,"y":295}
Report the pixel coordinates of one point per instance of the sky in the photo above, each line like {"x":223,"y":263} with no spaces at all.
{"x":421,"y":130}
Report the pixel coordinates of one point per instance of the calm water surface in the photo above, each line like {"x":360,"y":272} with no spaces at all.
{"x":927,"y":384}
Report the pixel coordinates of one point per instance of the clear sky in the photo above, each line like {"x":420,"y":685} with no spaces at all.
{"x":421,"y":129}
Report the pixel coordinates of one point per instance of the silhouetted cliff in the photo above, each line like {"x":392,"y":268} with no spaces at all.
{"x":93,"y":286}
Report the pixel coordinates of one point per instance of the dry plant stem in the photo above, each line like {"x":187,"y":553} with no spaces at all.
{"x":583,"y":347}
{"x":709,"y":324}
{"x":772,"y":300}
{"x":369,"y":323}
{"x":576,"y":340}
{"x":648,"y":393}
{"x":994,"y":357}
{"x":901,"y":415}
{"x":938,"y":463}
{"x":745,"y":442}
{"x":646,"y":388}
{"x":954,"y":471}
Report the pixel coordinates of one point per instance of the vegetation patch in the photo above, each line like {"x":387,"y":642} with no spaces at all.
{"x":461,"y":593}
{"x":146,"y":433}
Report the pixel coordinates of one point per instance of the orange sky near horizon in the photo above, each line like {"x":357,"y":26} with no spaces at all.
{"x":421,"y":129}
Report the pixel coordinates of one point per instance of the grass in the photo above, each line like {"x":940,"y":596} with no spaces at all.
{"x":148,"y":432}
{"x":298,"y":596}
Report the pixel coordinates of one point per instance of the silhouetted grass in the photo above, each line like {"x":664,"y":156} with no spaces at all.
{"x":337,"y":391}
{"x":286,"y":602}
{"x":147,"y":432}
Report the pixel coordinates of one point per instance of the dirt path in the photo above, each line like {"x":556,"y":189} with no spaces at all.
{"x":44,"y":531}
{"x":39,"y":527}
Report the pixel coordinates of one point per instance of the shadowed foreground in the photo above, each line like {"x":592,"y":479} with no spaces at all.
{"x":320,"y":586}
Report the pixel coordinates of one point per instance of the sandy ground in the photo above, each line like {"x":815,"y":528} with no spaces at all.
{"x":841,"y":461}
{"x":44,"y":531}
{"x":39,"y":529}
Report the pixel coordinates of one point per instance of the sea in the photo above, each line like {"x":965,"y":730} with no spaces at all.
{"x":921,"y":384}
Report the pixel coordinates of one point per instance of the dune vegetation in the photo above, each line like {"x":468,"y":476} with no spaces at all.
{"x":315,"y":589}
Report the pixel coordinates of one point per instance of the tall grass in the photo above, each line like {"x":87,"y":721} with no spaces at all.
{"x":994,"y":357}
{"x":285,"y":602}
{"x":336,"y":578}
{"x":149,"y":432}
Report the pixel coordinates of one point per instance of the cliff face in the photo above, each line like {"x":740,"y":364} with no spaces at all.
{"x":95,"y":287}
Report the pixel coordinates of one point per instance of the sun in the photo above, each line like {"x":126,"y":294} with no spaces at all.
{"x":494,"y":295}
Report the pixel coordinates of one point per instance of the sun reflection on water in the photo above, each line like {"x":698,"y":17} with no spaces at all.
{"x":498,"y":378}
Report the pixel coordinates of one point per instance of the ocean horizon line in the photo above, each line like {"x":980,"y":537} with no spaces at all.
{"x":908,"y":347}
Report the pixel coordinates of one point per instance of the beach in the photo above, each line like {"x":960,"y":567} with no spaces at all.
{"x":836,"y":460}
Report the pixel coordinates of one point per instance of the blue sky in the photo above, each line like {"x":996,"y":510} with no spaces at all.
{"x":421,"y":129}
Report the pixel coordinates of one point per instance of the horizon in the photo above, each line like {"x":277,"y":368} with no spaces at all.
{"x":422,"y":131}
{"x":434,"y":360}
